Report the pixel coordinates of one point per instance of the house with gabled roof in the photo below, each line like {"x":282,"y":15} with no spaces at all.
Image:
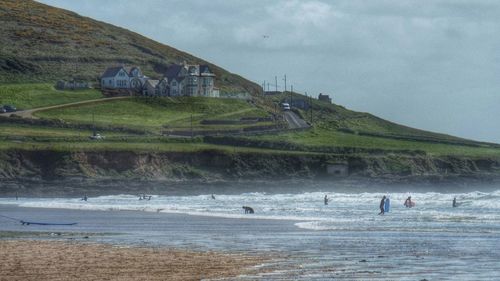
{"x":178,"y":80}
{"x":151,"y":87}
{"x":191,"y":80}
{"x":121,"y":77}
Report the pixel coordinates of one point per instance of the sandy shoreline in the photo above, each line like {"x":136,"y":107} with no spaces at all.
{"x":58,"y":260}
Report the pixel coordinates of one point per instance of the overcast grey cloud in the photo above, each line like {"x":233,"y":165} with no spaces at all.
{"x":433,"y":65}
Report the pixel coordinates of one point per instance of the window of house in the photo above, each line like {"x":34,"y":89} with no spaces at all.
{"x":174,"y":83}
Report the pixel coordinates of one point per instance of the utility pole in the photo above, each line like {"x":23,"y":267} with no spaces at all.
{"x":276,"y":82}
{"x":291,"y":92}
{"x":311,"y":108}
{"x":268,"y":86}
{"x":285,"y":82}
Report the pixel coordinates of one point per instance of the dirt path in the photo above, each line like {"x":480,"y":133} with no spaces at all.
{"x":29,"y":112}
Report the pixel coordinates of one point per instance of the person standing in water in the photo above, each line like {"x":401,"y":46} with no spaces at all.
{"x":454,"y":202}
{"x":382,"y":203}
{"x":408,"y":203}
{"x":326,"y":199}
{"x":213,"y":197}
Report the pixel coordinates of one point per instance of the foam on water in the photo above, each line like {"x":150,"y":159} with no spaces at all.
{"x":478,"y":211}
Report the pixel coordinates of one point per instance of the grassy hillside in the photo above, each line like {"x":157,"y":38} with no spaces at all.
{"x":155,"y":114}
{"x":27,"y":96}
{"x":43,"y":43}
{"x":332,"y":121}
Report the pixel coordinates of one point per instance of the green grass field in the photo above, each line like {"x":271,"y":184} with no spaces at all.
{"x":156,"y":114}
{"x":330,"y":138}
{"x":153,"y":114}
{"x":19,"y":130}
{"x":26,"y":96}
{"x":139,"y":146}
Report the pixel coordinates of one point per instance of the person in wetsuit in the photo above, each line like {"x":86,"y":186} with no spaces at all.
{"x":382,"y":203}
{"x":454,"y":202}
{"x":408,"y":203}
{"x":326,"y":199}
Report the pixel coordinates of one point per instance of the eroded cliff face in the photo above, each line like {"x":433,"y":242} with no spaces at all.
{"x":212,"y":165}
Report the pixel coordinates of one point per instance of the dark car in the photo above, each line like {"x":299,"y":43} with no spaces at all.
{"x":2,"y":110}
{"x":9,"y":108}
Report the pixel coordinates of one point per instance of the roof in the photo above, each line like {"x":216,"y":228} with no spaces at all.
{"x":152,"y":82}
{"x":178,"y":79}
{"x":205,"y":70}
{"x":173,"y":71}
{"x":112,"y":71}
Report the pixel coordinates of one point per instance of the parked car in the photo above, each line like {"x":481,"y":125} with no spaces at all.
{"x":9,"y":108}
{"x":2,"y":110}
{"x":285,"y":106}
{"x":96,"y":137}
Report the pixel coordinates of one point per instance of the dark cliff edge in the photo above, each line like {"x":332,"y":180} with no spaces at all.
{"x":54,"y":172}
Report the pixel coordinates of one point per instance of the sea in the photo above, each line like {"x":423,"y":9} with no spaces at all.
{"x":346,"y":239}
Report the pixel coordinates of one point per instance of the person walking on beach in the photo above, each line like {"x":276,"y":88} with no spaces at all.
{"x":454,"y":202}
{"x":382,"y":203}
{"x":326,"y":199}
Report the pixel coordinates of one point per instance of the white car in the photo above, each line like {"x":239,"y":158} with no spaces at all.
{"x":96,"y":137}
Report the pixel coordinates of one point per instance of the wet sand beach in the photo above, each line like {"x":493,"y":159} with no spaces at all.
{"x":290,"y":236}
{"x":58,"y":260}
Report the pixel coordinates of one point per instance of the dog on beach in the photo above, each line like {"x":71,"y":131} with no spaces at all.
{"x":248,"y":210}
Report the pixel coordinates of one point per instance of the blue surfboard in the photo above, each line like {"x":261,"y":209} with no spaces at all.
{"x":45,"y":223}
{"x":387,"y":205}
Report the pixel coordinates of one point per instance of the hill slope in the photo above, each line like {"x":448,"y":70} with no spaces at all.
{"x":43,"y":43}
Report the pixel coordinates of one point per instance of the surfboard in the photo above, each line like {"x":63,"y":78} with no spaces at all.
{"x":45,"y":223}
{"x":387,"y":205}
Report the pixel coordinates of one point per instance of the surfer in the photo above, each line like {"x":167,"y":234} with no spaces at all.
{"x":248,"y":210}
{"x":84,"y":197}
{"x":408,"y":203}
{"x":213,"y":197}
{"x":387,"y":205}
{"x":382,"y":203}
{"x":326,"y":199}
{"x":454,"y":202}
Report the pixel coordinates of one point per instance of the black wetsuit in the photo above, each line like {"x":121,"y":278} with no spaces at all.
{"x":382,"y":203}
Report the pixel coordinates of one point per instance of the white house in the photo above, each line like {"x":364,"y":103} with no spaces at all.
{"x":120,"y":77}
{"x":179,"y":80}
{"x":191,"y":80}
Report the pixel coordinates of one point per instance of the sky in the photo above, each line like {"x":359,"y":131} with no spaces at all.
{"x":433,"y":65}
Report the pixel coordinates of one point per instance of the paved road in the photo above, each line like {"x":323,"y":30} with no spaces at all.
{"x":294,"y":121}
{"x":29,"y":112}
